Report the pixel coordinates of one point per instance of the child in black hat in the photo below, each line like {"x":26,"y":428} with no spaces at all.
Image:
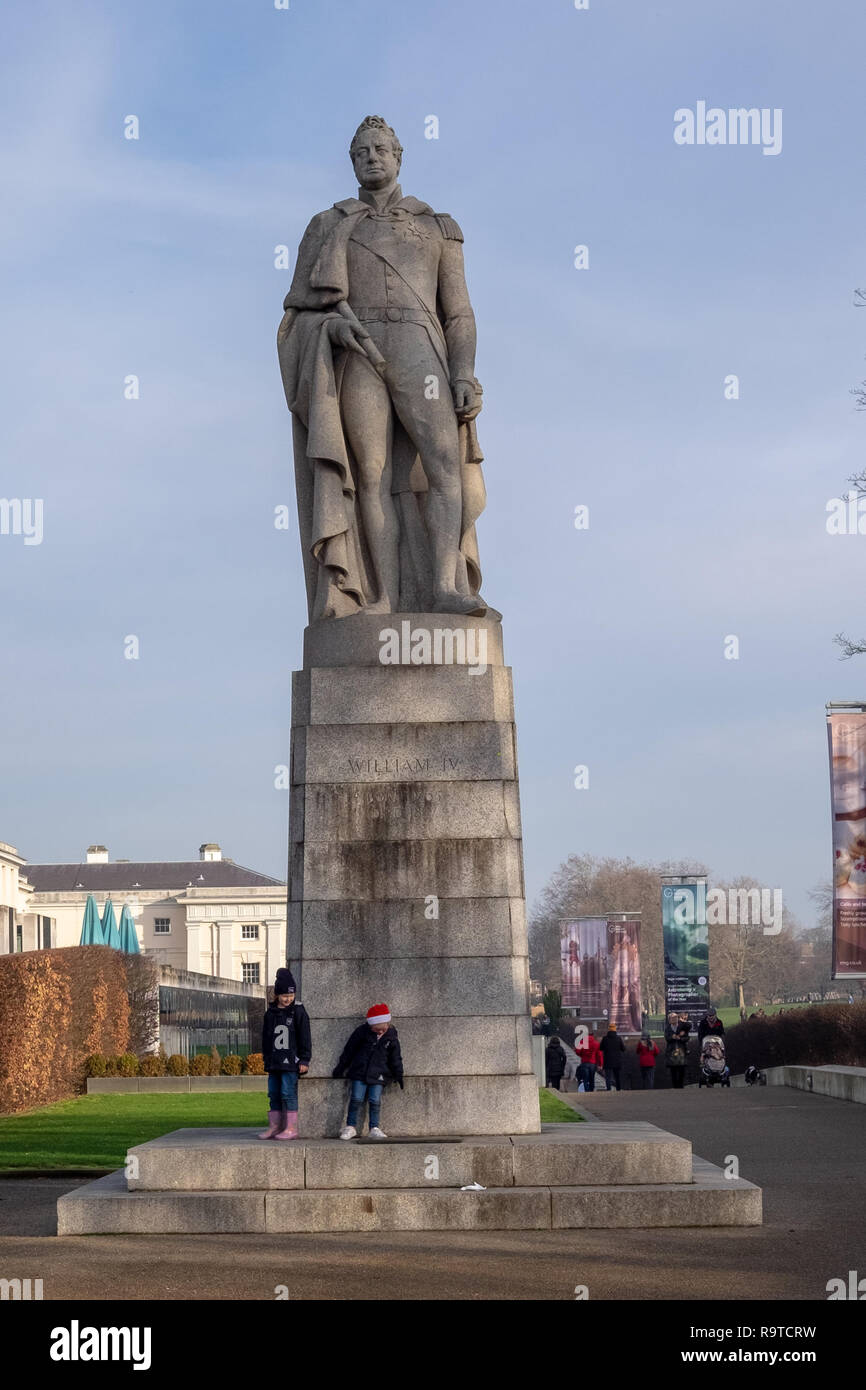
{"x":286,"y":1050}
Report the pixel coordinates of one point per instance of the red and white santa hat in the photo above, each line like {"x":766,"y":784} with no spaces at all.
{"x":380,"y":1013}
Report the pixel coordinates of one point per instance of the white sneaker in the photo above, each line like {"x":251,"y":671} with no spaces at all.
{"x":348,"y":1132}
{"x":377,"y":1133}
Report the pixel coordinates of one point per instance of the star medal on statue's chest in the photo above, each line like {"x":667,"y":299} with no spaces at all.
{"x":405,"y":227}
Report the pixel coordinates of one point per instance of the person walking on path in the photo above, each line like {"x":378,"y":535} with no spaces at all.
{"x":286,"y":1052}
{"x":370,"y":1059}
{"x":555,"y":1060}
{"x":589,"y":1055}
{"x":612,"y":1048}
{"x":647,"y":1052}
{"x":676,"y":1048}
{"x":710,"y":1024}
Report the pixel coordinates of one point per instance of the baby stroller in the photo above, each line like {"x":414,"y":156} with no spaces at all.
{"x":714,"y":1067}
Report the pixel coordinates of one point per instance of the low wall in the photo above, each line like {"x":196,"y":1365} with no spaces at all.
{"x":99,"y":1085}
{"x":840,"y":1083}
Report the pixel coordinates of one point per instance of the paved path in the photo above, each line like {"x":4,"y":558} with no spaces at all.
{"x":806,"y":1151}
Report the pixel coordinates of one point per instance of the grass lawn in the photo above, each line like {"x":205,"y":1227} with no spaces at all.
{"x":553,"y":1108}
{"x":96,"y":1131}
{"x":731,"y":1016}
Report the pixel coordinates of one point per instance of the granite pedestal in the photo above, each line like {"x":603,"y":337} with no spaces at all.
{"x":406,"y":872}
{"x":566,"y":1176}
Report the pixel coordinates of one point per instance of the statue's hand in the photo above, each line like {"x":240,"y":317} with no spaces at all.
{"x":342,"y":334}
{"x":467,"y":398}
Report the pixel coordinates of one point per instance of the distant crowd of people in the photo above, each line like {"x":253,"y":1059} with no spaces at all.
{"x":607,"y":1054}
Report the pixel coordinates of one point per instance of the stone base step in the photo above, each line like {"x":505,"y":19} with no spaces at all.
{"x":107,"y":1207}
{"x":572,"y":1155}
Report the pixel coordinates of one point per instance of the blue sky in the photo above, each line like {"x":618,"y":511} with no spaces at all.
{"x":603,"y":387}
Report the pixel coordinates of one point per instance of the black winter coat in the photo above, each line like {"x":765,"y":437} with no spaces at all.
{"x":298,"y":1043}
{"x":556,"y":1060}
{"x":677,"y":1037}
{"x":716,"y":1029}
{"x":612,"y":1047}
{"x":370,"y":1059}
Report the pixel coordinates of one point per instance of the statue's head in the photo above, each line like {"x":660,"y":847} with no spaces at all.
{"x":376,"y":153}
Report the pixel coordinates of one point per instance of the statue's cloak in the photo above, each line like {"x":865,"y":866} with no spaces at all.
{"x":337,"y":566}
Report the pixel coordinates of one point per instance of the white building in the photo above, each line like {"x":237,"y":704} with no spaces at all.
{"x":209,"y":914}
{"x":21,"y":928}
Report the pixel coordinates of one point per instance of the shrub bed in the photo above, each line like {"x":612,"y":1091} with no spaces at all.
{"x":814,"y":1037}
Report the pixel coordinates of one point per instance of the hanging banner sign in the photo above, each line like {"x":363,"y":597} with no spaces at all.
{"x":686,"y":947}
{"x":601,"y":970}
{"x":847,"y":738}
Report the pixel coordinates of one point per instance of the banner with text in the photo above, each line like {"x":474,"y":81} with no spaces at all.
{"x":601,"y":970}
{"x":623,"y":953}
{"x":847,"y":737}
{"x":686,"y":948}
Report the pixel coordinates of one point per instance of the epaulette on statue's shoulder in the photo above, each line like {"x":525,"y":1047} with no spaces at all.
{"x":448,"y":227}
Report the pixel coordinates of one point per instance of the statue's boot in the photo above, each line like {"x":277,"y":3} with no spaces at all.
{"x":466,"y":605}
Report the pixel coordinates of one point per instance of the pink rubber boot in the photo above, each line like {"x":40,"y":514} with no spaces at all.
{"x":291,"y":1129}
{"x":273,"y":1124}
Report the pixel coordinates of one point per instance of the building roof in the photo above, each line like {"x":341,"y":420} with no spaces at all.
{"x":123,"y":878}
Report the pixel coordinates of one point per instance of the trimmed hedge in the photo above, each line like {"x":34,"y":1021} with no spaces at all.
{"x":254,"y":1064}
{"x":152,"y":1065}
{"x":231,"y":1065}
{"x":58,"y":1008}
{"x":819,"y":1036}
{"x":178,"y":1065}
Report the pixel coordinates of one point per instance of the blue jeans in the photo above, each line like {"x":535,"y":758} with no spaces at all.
{"x":586,"y":1074}
{"x":360,"y":1092}
{"x":282,"y":1090}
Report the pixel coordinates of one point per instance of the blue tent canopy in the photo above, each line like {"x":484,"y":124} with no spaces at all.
{"x":110,"y":934}
{"x":91,"y":927}
{"x":128,"y":934}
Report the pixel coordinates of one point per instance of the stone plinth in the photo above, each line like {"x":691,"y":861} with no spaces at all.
{"x":568,"y":1176}
{"x":560,"y":1156}
{"x":406,"y":871}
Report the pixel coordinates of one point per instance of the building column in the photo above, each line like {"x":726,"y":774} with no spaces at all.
{"x":226,"y":939}
{"x":193,"y":946}
{"x":275,"y":951}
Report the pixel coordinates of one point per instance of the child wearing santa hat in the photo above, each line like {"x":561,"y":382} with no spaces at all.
{"x":370,"y":1059}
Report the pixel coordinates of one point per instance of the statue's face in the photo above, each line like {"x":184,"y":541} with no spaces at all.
{"x":375,"y":159}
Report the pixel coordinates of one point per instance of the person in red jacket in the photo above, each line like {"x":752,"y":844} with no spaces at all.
{"x":589,"y":1053}
{"x":647,"y":1051}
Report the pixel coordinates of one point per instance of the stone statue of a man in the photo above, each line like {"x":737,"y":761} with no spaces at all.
{"x":377,"y":353}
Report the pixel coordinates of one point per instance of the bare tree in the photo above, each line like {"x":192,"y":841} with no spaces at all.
{"x":859,"y":392}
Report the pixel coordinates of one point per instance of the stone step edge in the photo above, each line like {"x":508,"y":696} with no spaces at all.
{"x":105,"y":1207}
{"x":302,"y":1154}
